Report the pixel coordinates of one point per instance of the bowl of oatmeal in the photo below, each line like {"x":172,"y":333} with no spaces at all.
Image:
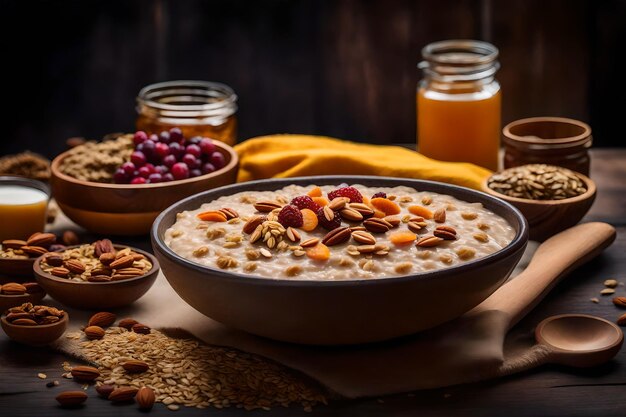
{"x":337,"y":259}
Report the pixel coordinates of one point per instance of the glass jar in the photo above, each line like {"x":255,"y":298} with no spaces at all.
{"x":459,"y":103}
{"x":198,"y":108}
{"x":548,"y":140}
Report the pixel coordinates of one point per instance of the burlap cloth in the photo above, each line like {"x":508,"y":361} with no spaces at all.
{"x":471,"y":348}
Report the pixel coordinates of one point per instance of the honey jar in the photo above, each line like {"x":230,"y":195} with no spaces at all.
{"x":198,"y":108}
{"x":459,"y":103}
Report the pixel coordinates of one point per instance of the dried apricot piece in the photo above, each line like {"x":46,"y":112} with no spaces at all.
{"x":321,"y":201}
{"x":385,"y":205}
{"x":402,"y":238}
{"x":309,"y":220}
{"x":212,"y":216}
{"x":379,"y":214}
{"x":319,"y":252}
{"x":315,"y":192}
{"x":421,"y":211}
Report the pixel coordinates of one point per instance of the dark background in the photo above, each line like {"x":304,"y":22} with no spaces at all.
{"x":343,"y":68}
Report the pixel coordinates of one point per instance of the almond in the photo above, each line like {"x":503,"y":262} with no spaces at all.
{"x":24,"y":322}
{"x":445,"y":233}
{"x":85,"y":373}
{"x":41,"y":239}
{"x":34,"y":250}
{"x":266,"y":206}
{"x":123,"y":394}
{"x":105,"y":390}
{"x":103,"y":246}
{"x":98,"y":278}
{"x":363,"y":209}
{"x":620,"y":302}
{"x":310,"y":242}
{"x":363,"y":237}
{"x":376,"y":225}
{"x":293,"y":234}
{"x":12,"y":316}
{"x":351,"y":215}
{"x":53,"y":259}
{"x":252,"y":223}
{"x":75,"y":266}
{"x":32,"y":288}
{"x":621,"y":321}
{"x":428,"y":241}
{"x":123,"y":262}
{"x":102,"y":319}
{"x":145,"y":398}
{"x":366,"y":248}
{"x":134,"y":272}
{"x":229,"y":213}
{"x":107,"y":258}
{"x":71,"y":398}
{"x":94,"y":332}
{"x":440,"y":215}
{"x":329,"y":214}
{"x":338,"y":203}
{"x":394,"y":221}
{"x":127,"y":323}
{"x":60,"y":272}
{"x":337,"y":236}
{"x":13,"y":288}
{"x":414,"y":226}
{"x":13,"y":244}
{"x":140,"y":328}
{"x":101,"y":270}
{"x":135,"y":367}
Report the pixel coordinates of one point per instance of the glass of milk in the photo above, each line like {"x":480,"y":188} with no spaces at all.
{"x":23,"y":204}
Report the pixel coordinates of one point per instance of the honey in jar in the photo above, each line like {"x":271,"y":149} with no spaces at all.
{"x":23,"y":205}
{"x":459,"y":103}
{"x":198,"y":108}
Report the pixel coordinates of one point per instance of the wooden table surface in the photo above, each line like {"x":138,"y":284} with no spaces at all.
{"x":547,"y":391}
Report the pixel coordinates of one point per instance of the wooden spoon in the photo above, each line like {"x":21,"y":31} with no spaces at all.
{"x":579,"y":340}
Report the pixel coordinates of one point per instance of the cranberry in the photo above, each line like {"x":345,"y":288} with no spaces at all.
{"x":144,"y":171}
{"x":140,"y":137}
{"x":138,"y":158}
{"x":207,"y":146}
{"x":194,"y":150}
{"x":169,"y":160}
{"x":154,"y":178}
{"x":167,"y":177}
{"x":180,"y":171}
{"x":177,"y":150}
{"x":120,"y":176}
{"x":191,"y":160}
{"x":162,"y":149}
{"x":128,"y":168}
{"x":164,"y":137}
{"x":154,"y":138}
{"x":218,"y":160}
{"x":195,"y":172}
{"x":176,"y":135}
{"x":138,"y":180}
{"x":207,"y":168}
{"x":195,"y":140}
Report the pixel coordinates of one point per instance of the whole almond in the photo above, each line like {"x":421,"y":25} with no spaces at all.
{"x":337,"y":236}
{"x":102,"y":319}
{"x":366,"y":248}
{"x":24,"y":322}
{"x":440,"y":215}
{"x":135,"y":367}
{"x":32,"y":288}
{"x":145,"y":398}
{"x":60,"y":272}
{"x":620,"y":302}
{"x":41,"y":239}
{"x":394,"y":221}
{"x":123,"y":262}
{"x":621,"y":321}
{"x":376,"y":225}
{"x":13,"y":244}
{"x":351,"y":215}
{"x":364,"y":237}
{"x":34,"y":250}
{"x":228,"y":213}
{"x":364,"y":209}
{"x":309,"y":242}
{"x":105,"y":390}
{"x":85,"y":373}
{"x":140,"y":328}
{"x":444,"y":234}
{"x":15,"y":315}
{"x":107,"y":258}
{"x":99,"y":278}
{"x":131,"y":272}
{"x":266,"y":206}
{"x":428,"y":241}
{"x":252,"y":223}
{"x":71,"y":398}
{"x":53,"y":259}
{"x":75,"y":266}
{"x":123,"y":394}
{"x":101,"y":270}
{"x":293,"y":234}
{"x":103,"y":246}
{"x":127,"y":323}
{"x":329,"y":214}
{"x":338,"y":203}
{"x":13,"y":288}
{"x":94,"y":332}
{"x":70,"y":238}
{"x":414,"y":227}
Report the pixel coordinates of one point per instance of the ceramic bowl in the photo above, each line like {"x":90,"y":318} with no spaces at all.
{"x":549,"y":217}
{"x":36,"y":335}
{"x":126,"y":209}
{"x":97,"y":295}
{"x":339,"y":312}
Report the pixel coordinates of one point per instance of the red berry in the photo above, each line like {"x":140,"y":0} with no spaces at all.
{"x":140,"y":137}
{"x":380,"y":195}
{"x":194,"y":150}
{"x":138,"y":158}
{"x":305,"y":202}
{"x":144,"y":172}
{"x":138,"y":180}
{"x":207,"y":146}
{"x":290,"y":216}
{"x":218,"y":160}
{"x":180,"y":171}
{"x":176,"y":135}
{"x":162,"y":149}
{"x":352,"y":193}
{"x":326,"y":224}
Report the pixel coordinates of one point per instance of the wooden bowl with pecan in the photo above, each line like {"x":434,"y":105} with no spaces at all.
{"x":17,"y":256}
{"x":34,"y":325}
{"x":14,"y":294}
{"x":95,"y":276}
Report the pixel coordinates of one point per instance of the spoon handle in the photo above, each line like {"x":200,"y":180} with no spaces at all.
{"x":553,"y":259}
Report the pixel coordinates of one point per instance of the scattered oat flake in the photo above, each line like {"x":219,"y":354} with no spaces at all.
{"x":594,"y":300}
{"x":173,"y":407}
{"x":611,"y":283}
{"x":607,"y":291}
{"x":41,"y":375}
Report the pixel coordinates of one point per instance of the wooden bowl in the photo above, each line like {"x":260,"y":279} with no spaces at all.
{"x":40,"y":335}
{"x":127,"y":209}
{"x":339,"y":312}
{"x":549,"y":217}
{"x":12,"y":268}
{"x":8,"y":301}
{"x":97,"y":295}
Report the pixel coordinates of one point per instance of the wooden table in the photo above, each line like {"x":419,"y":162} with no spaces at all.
{"x":548,"y":391}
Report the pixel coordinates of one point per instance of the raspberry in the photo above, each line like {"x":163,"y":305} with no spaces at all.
{"x":328,"y":225}
{"x":380,"y":195}
{"x":290,"y":216}
{"x":352,"y":193}
{"x":305,"y":202}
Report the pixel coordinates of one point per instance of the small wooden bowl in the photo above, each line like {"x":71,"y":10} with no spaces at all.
{"x":549,"y":217}
{"x":41,"y":335}
{"x":97,"y":295}
{"x":127,"y":209}
{"x":8,"y":301}
{"x":11,"y":268}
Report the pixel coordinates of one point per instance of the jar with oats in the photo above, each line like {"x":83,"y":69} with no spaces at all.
{"x":198,"y":108}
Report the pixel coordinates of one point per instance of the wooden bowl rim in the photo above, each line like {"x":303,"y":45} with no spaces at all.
{"x":234,"y":160}
{"x":506,"y":131}
{"x":63,"y":320}
{"x":591,"y":190}
{"x":155,"y":268}
{"x":26,"y":294}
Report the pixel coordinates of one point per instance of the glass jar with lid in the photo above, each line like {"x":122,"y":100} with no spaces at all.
{"x":198,"y":108}
{"x":459,"y":103}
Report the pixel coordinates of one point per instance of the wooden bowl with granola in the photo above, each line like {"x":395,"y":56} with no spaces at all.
{"x":34,"y":325}
{"x":95,"y":276}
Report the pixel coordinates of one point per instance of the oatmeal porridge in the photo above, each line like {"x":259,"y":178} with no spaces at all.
{"x":330,"y":233}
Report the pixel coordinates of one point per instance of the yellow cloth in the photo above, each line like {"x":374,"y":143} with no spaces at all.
{"x":280,"y":156}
